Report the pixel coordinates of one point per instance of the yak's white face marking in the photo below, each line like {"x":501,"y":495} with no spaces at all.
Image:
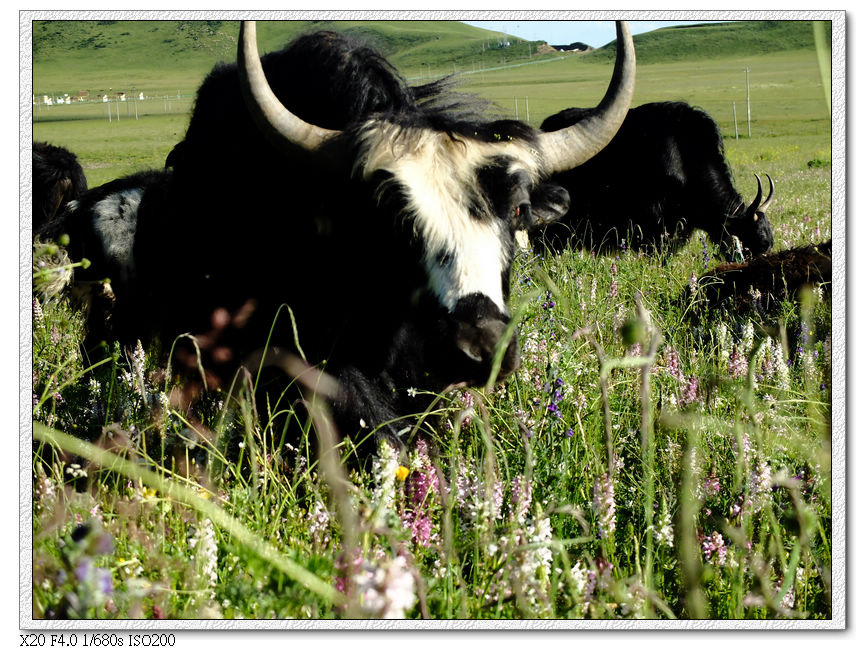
{"x":115,"y":219}
{"x":463,"y":254}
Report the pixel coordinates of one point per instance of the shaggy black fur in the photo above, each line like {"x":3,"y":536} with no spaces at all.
{"x":663,"y":175}
{"x":57,"y":179}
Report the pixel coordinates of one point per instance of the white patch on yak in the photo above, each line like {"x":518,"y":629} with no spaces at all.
{"x":437,"y":173}
{"x":115,"y":219}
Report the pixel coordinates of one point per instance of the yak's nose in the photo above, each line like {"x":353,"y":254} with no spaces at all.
{"x":480,"y":342}
{"x":478,"y":335}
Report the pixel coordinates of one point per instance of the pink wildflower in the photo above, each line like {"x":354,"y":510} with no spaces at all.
{"x":691,"y":393}
{"x":521,"y":497}
{"x":737,"y":366}
{"x":604,"y":504}
{"x":714,"y":548}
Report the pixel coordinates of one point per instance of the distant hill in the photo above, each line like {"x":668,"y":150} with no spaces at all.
{"x":73,"y":55}
{"x":717,"y":40}
{"x":116,"y":53}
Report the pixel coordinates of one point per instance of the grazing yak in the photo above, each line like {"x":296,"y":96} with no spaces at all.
{"x":663,"y":175}
{"x":57,"y":179}
{"x":321,"y":207}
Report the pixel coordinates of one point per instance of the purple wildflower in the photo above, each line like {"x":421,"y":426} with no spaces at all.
{"x":83,"y":569}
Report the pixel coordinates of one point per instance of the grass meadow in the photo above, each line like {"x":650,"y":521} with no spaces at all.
{"x":650,"y":459}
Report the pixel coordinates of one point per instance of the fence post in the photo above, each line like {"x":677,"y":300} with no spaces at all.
{"x":735,"y":121}
{"x":748,"y":97}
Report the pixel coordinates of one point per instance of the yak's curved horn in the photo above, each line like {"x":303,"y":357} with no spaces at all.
{"x":755,"y":204}
{"x":572,"y":146}
{"x":268,"y":112}
{"x":765,"y":204}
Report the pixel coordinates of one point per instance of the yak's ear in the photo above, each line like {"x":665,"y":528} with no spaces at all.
{"x":550,"y":202}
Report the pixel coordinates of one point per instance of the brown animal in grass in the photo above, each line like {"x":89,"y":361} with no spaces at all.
{"x":766,"y":280}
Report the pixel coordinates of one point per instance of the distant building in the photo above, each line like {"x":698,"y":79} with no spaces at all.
{"x":573,"y":47}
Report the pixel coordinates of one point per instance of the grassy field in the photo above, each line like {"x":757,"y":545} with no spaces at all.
{"x":650,"y":458}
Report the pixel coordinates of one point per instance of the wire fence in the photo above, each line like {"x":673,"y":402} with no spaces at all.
{"x":112,"y":109}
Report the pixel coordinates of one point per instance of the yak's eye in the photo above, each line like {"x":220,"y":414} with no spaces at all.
{"x":522,"y":214}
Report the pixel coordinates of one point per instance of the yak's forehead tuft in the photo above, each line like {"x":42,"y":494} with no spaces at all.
{"x":457,"y":157}
{"x":438,"y":176}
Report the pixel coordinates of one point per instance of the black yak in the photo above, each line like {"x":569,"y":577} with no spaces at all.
{"x":375,"y":220}
{"x":663,"y":175}
{"x":57,"y":179}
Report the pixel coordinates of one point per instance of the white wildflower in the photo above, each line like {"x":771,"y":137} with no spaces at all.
{"x":76,"y":471}
{"x":540,"y":533}
{"x":747,"y":338}
{"x":38,"y":315}
{"x":385,"y":466}
{"x":782,"y":372}
{"x":664,"y":530}
{"x":583,"y":580}
{"x":319,"y":524}
{"x":723,"y":342}
{"x":761,"y":485}
{"x":46,"y":494}
{"x":386,"y":590}
{"x":204,"y":543}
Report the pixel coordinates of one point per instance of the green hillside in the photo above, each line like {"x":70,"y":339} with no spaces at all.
{"x":718,"y":40}
{"x":158,"y":57}
{"x":167,"y":60}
